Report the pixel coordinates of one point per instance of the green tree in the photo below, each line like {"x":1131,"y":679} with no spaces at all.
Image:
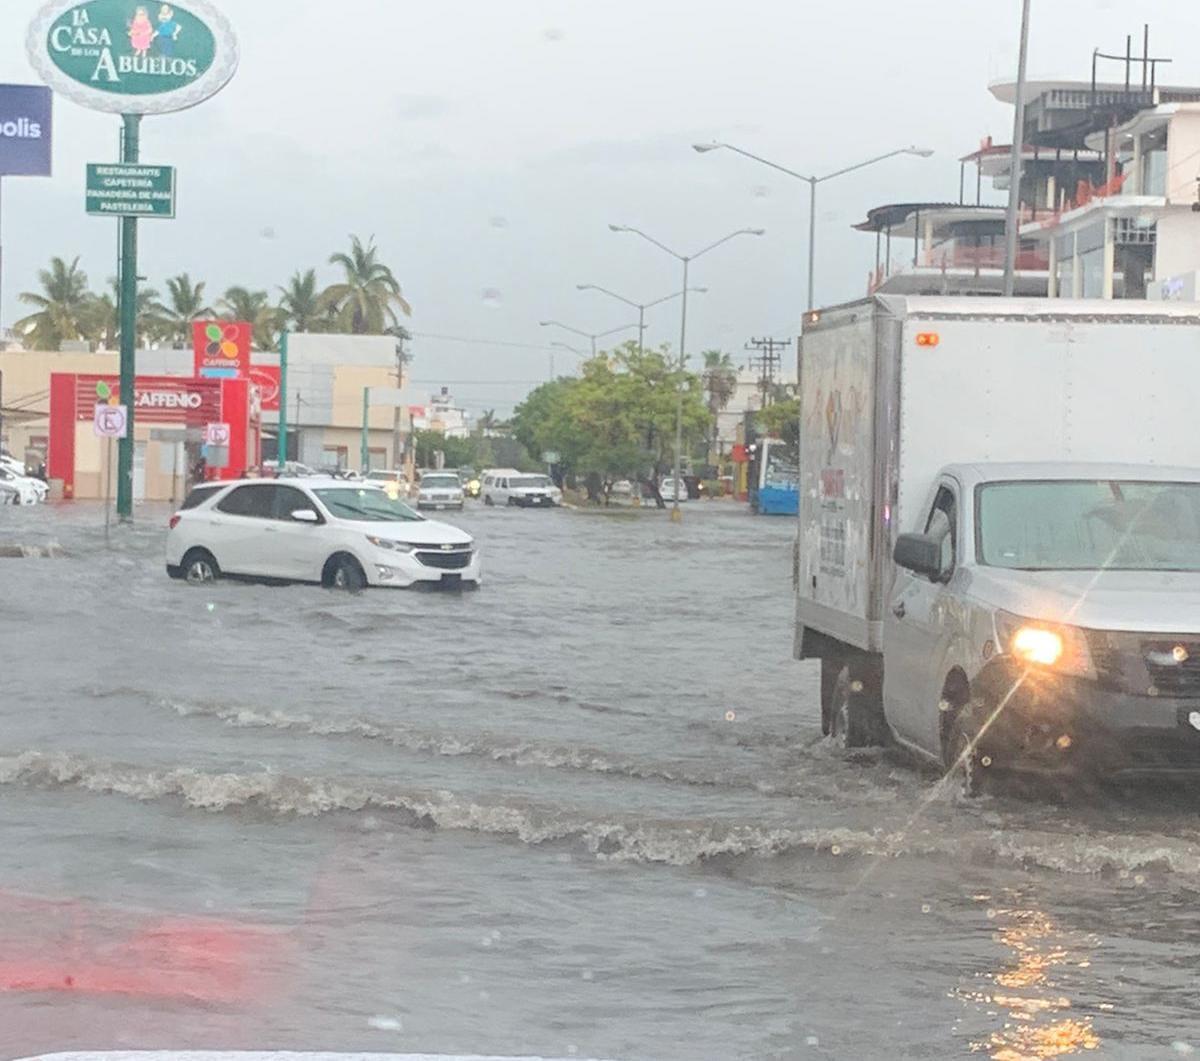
{"x":65,"y":307}
{"x":242,"y":304}
{"x":300,"y":303}
{"x":782,"y":421}
{"x":720,"y":385}
{"x":185,"y":304}
{"x":366,"y":300}
{"x":617,"y":418}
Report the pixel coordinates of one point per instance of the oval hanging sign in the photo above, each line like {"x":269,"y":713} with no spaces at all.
{"x":131,"y":57}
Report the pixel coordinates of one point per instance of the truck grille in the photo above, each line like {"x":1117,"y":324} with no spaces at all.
{"x":448,"y":561}
{"x":1132,"y":663}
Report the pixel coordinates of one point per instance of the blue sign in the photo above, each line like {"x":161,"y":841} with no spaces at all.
{"x":25,"y":125}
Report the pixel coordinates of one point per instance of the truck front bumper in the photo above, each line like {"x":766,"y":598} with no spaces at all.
{"x":1047,"y":722}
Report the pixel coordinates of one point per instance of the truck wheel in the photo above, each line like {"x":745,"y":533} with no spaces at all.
{"x":966,"y":762}
{"x":856,"y":716}
{"x":830,"y":668}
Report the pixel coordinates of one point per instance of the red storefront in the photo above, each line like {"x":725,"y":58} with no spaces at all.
{"x":170,"y":416}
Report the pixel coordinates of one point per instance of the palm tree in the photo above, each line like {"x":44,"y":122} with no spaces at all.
{"x":487,"y":421}
{"x":720,"y":384}
{"x":174,"y":321}
{"x":300,"y":302}
{"x":64,"y":307}
{"x":365,"y":302}
{"x":242,"y":304}
{"x":104,"y":316}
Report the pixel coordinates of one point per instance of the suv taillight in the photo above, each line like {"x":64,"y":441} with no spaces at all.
{"x":175,"y":520}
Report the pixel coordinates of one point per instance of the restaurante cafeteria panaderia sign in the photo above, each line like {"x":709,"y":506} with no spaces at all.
{"x":127,"y":57}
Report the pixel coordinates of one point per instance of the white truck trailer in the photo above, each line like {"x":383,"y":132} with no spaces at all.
{"x":999,"y":538}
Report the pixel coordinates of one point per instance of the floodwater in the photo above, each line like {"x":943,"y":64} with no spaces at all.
{"x":586,"y":811}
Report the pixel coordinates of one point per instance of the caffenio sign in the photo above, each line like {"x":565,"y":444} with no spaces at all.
{"x":131,"y":57}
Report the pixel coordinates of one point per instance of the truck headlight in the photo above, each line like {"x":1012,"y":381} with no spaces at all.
{"x":387,"y":543}
{"x":1041,"y":644}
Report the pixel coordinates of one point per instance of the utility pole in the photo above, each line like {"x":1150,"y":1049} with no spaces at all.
{"x":128,"y":315}
{"x":397,"y":435}
{"x":1011,"y":219}
{"x":769,"y":358}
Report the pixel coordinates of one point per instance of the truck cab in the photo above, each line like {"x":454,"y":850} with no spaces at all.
{"x":998,"y":552}
{"x":1047,"y":617}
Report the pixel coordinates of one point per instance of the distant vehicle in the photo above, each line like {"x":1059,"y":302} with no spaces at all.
{"x":386,"y":475}
{"x":473,"y":486}
{"x":317,"y":530}
{"x":999,"y":532}
{"x":670,"y":487}
{"x":507,"y":486}
{"x":774,"y":478}
{"x":29,"y":490}
{"x":438,"y":490}
{"x":622,"y":488}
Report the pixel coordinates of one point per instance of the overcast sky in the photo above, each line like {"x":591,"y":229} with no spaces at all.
{"x":486,"y":147}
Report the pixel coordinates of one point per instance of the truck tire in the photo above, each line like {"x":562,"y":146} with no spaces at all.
{"x":830,"y":668}
{"x":856,"y":709}
{"x":965,"y":759}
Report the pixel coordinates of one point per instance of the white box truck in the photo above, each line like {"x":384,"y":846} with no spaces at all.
{"x":998,"y":559}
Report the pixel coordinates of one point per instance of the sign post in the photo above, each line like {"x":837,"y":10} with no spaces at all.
{"x":104,"y":56}
{"x":108,"y":422}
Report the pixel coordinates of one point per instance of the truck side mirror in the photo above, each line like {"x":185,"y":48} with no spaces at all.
{"x":920,"y":554}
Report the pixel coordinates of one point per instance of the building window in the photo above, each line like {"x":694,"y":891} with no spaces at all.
{"x":1154,"y":164}
{"x":335,"y":457}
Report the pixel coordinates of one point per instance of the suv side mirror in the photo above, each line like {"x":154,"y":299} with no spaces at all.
{"x":305,"y":515}
{"x":920,"y":554}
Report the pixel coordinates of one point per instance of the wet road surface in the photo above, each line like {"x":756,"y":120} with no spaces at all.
{"x":586,"y":810}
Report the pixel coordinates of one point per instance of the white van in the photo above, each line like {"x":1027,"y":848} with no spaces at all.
{"x":507,"y":486}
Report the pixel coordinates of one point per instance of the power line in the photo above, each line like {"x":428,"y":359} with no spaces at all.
{"x":477,"y":341}
{"x":770,"y":354}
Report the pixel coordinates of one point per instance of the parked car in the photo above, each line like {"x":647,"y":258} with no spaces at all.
{"x":511,"y":487}
{"x":29,"y":490}
{"x":291,"y":469}
{"x":440,"y":490}
{"x":670,"y":487}
{"x":325,"y":531}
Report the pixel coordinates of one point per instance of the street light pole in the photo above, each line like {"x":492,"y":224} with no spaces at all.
{"x":686,"y":259}
{"x":813,"y":180}
{"x":1011,"y":220}
{"x":641,"y":307}
{"x":590,"y":336}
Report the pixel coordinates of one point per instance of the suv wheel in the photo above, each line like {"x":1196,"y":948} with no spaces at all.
{"x":199,"y":567}
{"x":343,"y":572}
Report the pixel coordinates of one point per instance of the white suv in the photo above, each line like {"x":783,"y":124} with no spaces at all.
{"x":511,"y":487}
{"x":440,"y":490}
{"x":327,"y":531}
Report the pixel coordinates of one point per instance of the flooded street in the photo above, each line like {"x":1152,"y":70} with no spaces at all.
{"x":586,"y":810}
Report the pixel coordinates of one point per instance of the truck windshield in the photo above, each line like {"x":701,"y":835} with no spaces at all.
{"x":1087,"y":525}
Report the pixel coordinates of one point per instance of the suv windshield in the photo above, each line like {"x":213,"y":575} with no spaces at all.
{"x":528,"y":482}
{"x":365,"y":505}
{"x":1088,"y":525}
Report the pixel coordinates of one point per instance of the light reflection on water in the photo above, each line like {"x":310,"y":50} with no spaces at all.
{"x":1026,"y":992}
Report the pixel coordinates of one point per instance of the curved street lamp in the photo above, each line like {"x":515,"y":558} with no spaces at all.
{"x":641,"y":307}
{"x":592,"y":336}
{"x":686,"y":259}
{"x":813,"y":181}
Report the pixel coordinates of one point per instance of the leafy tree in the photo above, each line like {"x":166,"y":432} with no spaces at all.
{"x":65,"y":307}
{"x":300,"y":307}
{"x":242,"y":304}
{"x":720,"y":385}
{"x":617,"y":418}
{"x":366,"y":300}
{"x":185,"y":304}
{"x":782,"y":420}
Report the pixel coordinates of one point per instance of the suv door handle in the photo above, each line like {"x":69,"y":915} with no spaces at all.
{"x":898,"y":609}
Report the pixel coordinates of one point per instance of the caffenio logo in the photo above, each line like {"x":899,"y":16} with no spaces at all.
{"x":126,"y":56}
